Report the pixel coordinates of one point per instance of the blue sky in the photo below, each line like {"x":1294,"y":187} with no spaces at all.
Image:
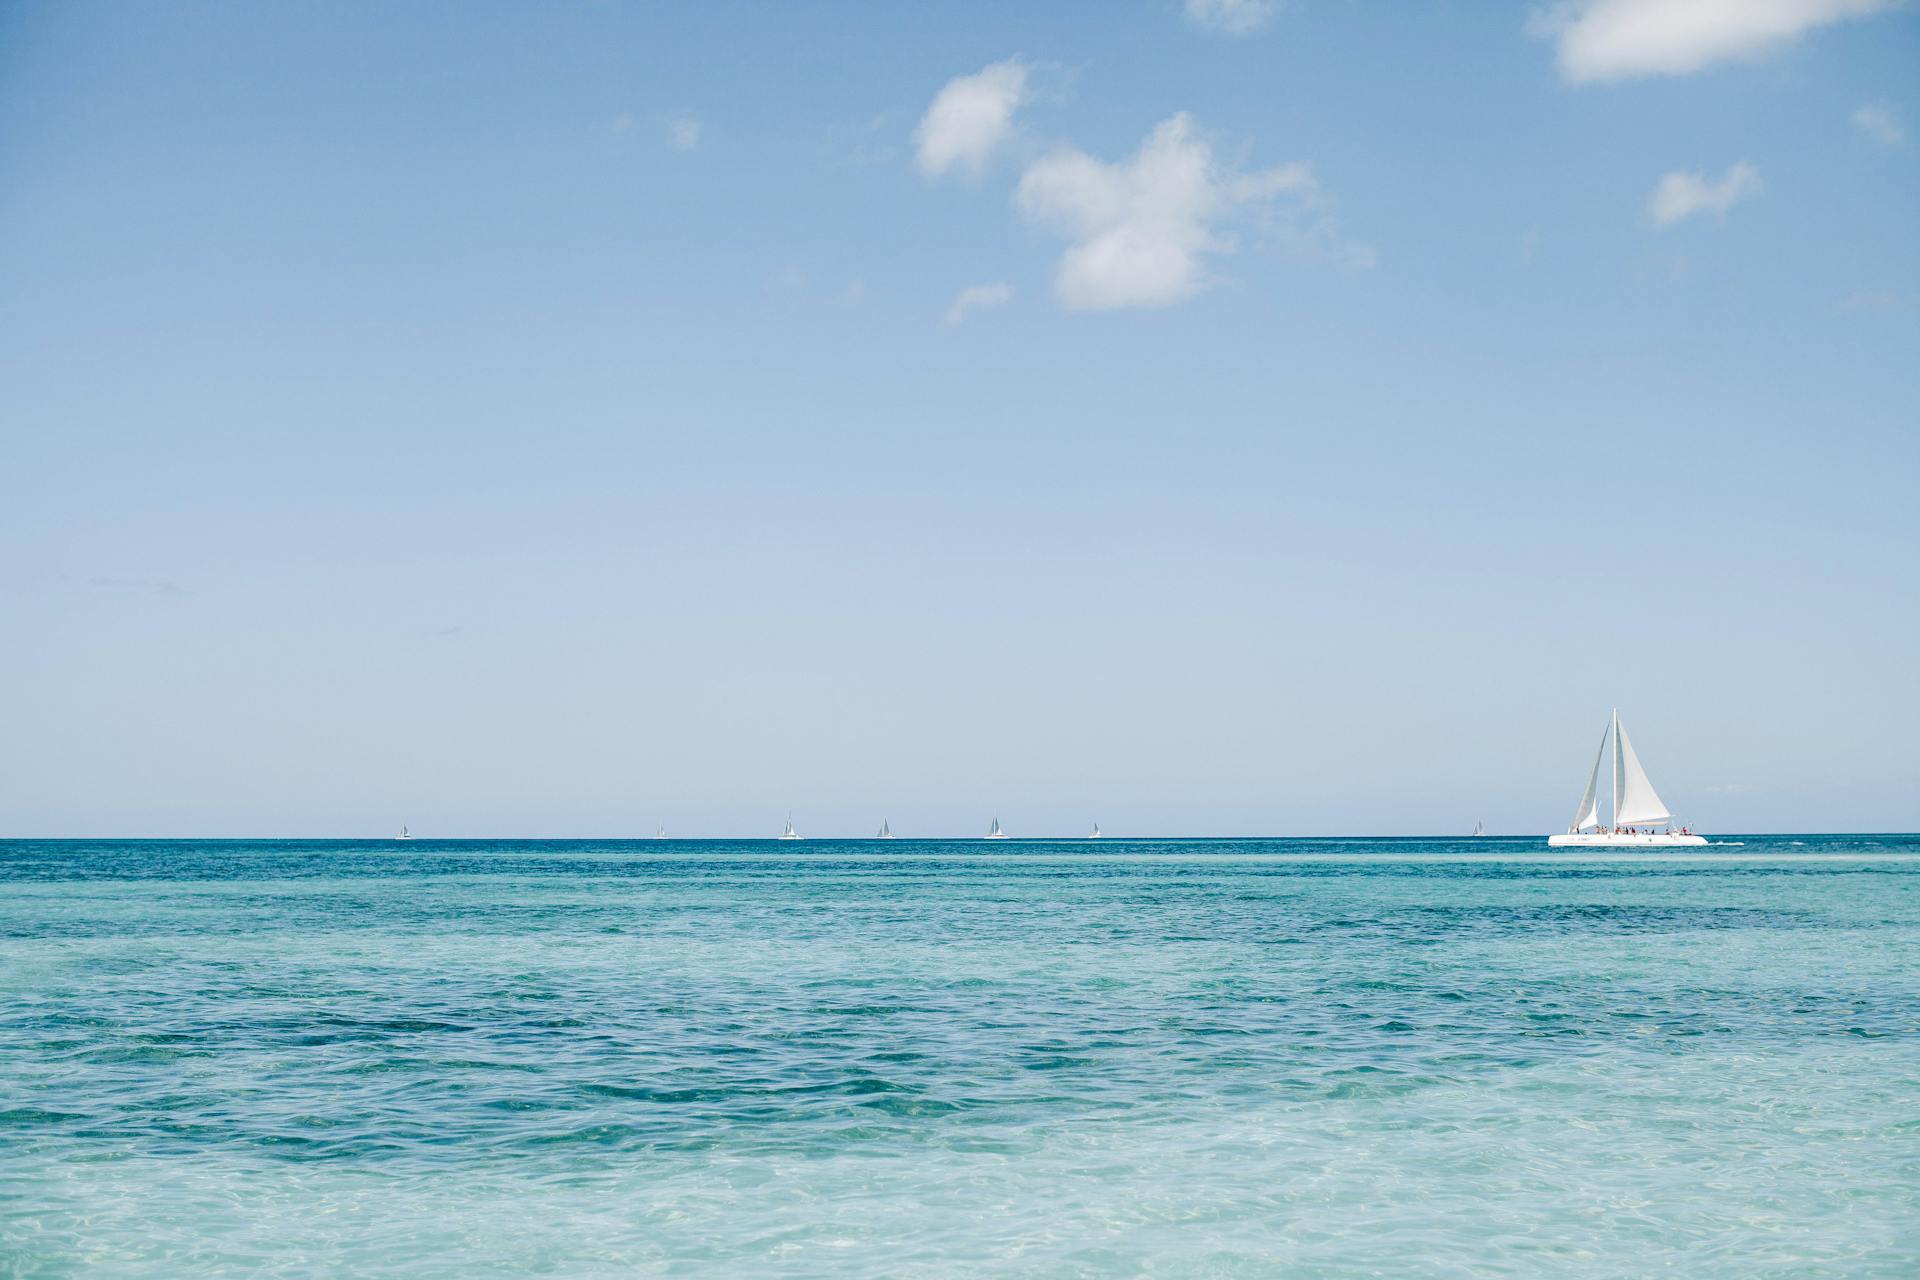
{"x":556,"y":420}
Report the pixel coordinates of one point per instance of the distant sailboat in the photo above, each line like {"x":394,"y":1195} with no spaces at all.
{"x":1640,"y":817}
{"x":1479,"y":827}
{"x":1096,"y":832}
{"x":789,"y":833}
{"x":994,"y":832}
{"x":885,"y":832}
{"x":660,"y":832}
{"x":404,"y":833}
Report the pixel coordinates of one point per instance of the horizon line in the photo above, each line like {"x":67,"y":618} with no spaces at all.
{"x":896,"y":838}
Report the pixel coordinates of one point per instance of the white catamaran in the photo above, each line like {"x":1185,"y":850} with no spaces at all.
{"x":994,"y":832}
{"x":789,"y":833}
{"x":1640,"y":817}
{"x":404,"y":833}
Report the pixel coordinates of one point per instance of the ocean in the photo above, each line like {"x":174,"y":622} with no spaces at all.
{"x":1294,"y":1058}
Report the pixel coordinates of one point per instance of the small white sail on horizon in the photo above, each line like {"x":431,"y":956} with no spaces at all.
{"x":1096,"y":832}
{"x":885,"y":832}
{"x":404,"y":833}
{"x":994,"y":832}
{"x":660,"y":832}
{"x":1637,"y":807}
{"x":788,"y":833}
{"x":1480,"y":827}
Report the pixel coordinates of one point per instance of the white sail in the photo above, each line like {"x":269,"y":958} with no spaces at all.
{"x":1096,"y":832}
{"x":1639,"y":804}
{"x":994,"y":832}
{"x":1588,"y":814}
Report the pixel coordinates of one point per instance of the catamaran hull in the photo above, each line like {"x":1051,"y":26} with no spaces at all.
{"x":1600,"y":840}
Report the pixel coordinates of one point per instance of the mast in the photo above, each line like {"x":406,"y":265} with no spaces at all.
{"x":1616,"y":768}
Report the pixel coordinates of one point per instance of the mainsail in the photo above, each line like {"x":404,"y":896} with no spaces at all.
{"x":1639,"y":805}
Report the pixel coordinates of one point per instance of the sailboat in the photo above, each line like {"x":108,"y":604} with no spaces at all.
{"x":404,"y":833}
{"x":1096,"y":832}
{"x":789,"y":833}
{"x":660,"y":832}
{"x":1480,"y":827}
{"x":994,"y":832}
{"x":1640,"y":817}
{"x":885,"y":832}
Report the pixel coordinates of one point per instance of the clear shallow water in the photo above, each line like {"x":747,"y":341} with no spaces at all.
{"x":1213,"y":1058}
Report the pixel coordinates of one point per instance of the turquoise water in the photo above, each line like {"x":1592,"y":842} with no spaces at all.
{"x":1181,"y":1058}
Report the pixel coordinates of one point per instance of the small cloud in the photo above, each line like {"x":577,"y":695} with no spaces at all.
{"x":969,"y":118}
{"x":1876,"y":301}
{"x":789,"y":277}
{"x":1141,"y":231}
{"x":1606,"y":40}
{"x":1729,"y":789}
{"x":1230,"y":17}
{"x":153,"y":586}
{"x":680,"y":130}
{"x":448,"y":633}
{"x":1878,"y":122}
{"x":869,"y":145}
{"x":1679,"y":195}
{"x":683,"y":131}
{"x":871,"y":155}
{"x":978,"y":297}
{"x":854,"y":292}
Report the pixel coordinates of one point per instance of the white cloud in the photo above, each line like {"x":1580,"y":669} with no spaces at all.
{"x":1878,"y":122}
{"x":1140,"y":232}
{"x":976,"y":297}
{"x":1234,"y":17}
{"x":1602,"y":40}
{"x":680,"y":129}
{"x":1876,"y":300}
{"x":1682,"y":195}
{"x":683,"y":131}
{"x":970,"y":117}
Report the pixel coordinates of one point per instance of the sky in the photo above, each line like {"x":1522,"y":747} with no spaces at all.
{"x":1199,"y":418}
